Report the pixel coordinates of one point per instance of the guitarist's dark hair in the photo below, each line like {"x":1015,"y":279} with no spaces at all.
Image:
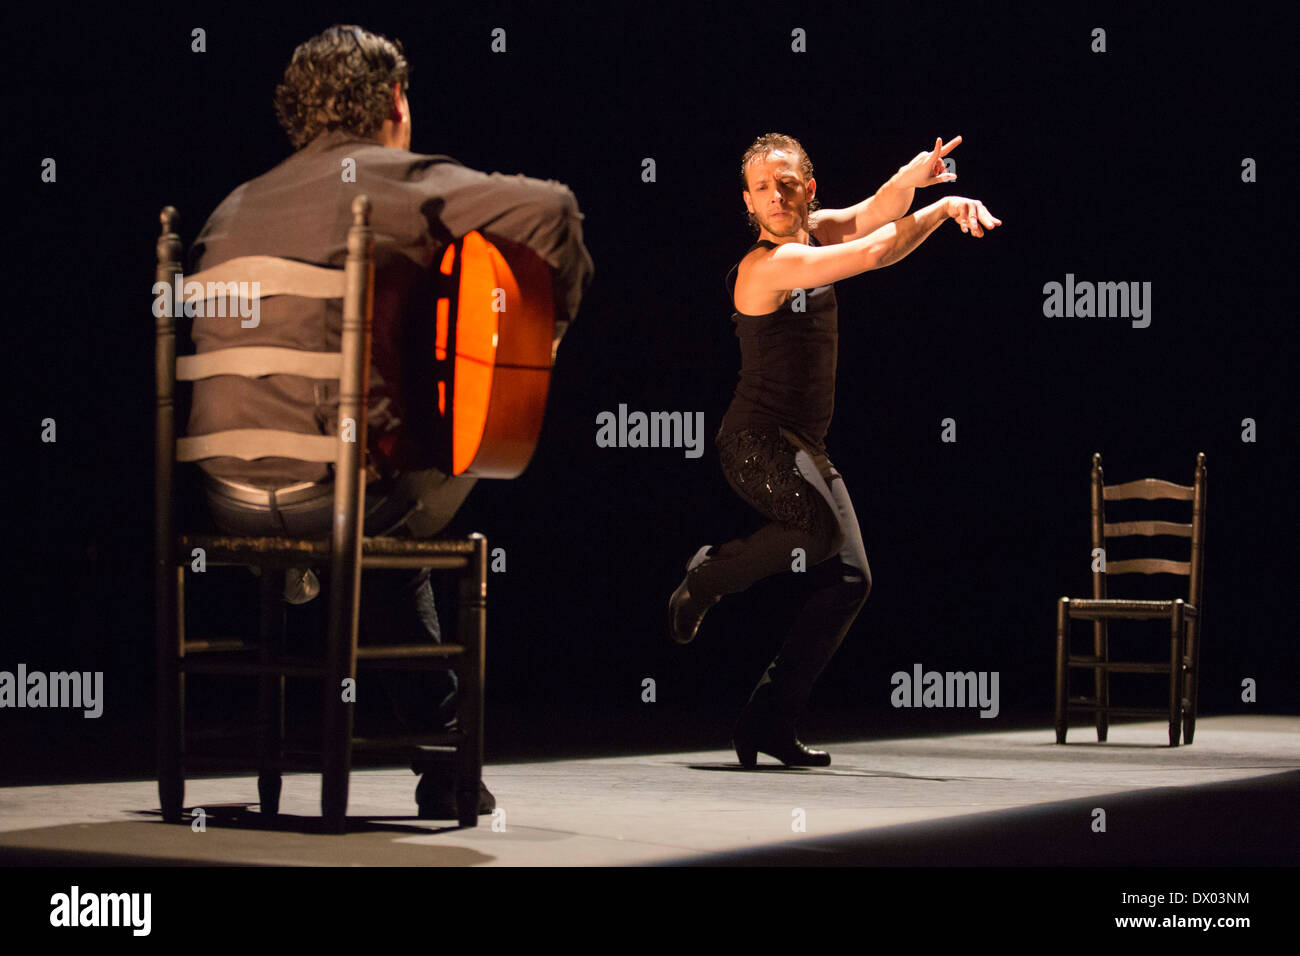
{"x":340,"y":79}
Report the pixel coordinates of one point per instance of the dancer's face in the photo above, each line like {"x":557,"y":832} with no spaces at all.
{"x":778,"y":196}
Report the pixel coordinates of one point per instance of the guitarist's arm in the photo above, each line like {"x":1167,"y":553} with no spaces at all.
{"x":540,"y":214}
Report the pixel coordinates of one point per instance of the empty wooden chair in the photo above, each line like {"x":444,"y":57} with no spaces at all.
{"x":1185,"y":615}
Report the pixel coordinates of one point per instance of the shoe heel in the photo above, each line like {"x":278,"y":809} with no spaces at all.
{"x":746,"y":753}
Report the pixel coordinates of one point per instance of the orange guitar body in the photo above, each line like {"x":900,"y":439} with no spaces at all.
{"x":493,"y":345}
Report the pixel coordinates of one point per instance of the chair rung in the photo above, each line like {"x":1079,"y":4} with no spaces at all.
{"x":369,"y":656}
{"x":309,"y":761}
{"x":1089,"y":703}
{"x":1119,"y":667}
{"x":289,"y":668}
{"x":219,"y":645}
{"x":414,"y":561}
{"x":251,"y":763}
{"x":380,"y":653}
{"x":443,"y":739}
{"x":272,"y":552}
{"x":248,"y":732}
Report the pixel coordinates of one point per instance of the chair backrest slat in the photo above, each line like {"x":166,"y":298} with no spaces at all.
{"x":273,"y":277}
{"x":1148,"y":488}
{"x":1121,"y":529}
{"x":252,"y":443}
{"x":1148,"y":566}
{"x":257,"y":360}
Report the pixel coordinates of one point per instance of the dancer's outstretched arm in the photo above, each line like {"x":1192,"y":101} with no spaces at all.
{"x":794,"y":265}
{"x":891,"y":201}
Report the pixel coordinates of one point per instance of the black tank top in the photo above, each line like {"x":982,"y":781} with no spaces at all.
{"x":787,"y":364}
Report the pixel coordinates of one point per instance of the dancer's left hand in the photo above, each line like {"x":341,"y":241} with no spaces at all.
{"x":927,"y":168}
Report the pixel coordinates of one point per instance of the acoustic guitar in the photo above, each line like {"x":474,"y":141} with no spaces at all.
{"x":495,"y":322}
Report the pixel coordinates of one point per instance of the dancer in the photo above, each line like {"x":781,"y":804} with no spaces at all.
{"x":772,"y":438}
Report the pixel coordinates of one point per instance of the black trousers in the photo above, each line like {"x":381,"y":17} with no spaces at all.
{"x":811,"y":527}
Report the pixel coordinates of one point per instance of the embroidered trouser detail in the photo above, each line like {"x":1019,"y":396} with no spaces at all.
{"x":807,"y":506}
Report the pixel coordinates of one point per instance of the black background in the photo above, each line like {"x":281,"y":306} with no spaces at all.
{"x":1118,"y":166}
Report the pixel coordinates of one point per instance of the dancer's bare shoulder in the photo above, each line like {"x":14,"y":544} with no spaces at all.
{"x":751,"y":295}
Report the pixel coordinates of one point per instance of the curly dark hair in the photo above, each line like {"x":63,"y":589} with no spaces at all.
{"x":340,"y":79}
{"x":771,"y":143}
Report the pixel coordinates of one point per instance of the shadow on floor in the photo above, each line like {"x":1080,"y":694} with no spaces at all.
{"x":1241,"y":823}
{"x":235,"y":835}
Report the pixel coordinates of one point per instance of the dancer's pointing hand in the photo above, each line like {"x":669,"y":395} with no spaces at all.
{"x":927,"y":168}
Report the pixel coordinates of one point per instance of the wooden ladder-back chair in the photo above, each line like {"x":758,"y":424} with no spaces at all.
{"x":1186,"y":616}
{"x":346,"y":553}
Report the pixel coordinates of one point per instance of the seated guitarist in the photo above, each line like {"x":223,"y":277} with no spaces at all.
{"x":343,"y":104}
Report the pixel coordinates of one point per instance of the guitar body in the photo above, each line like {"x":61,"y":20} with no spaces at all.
{"x":495,"y":323}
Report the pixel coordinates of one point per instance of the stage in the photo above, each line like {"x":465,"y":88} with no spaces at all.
{"x":972,"y":799}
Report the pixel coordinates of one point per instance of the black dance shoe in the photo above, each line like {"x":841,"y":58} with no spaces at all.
{"x":685,"y":613}
{"x":435,"y":795}
{"x":761,"y":730}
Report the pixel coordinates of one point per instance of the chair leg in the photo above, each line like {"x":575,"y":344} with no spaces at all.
{"x":1175,"y":673}
{"x":270,"y":697}
{"x":336,"y":743}
{"x":334,"y":777}
{"x":473,"y":637}
{"x":1191,"y":679}
{"x":1101,"y":643}
{"x":268,"y":793}
{"x":1062,"y":676}
{"x":171,"y":691}
{"x":341,"y":656}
